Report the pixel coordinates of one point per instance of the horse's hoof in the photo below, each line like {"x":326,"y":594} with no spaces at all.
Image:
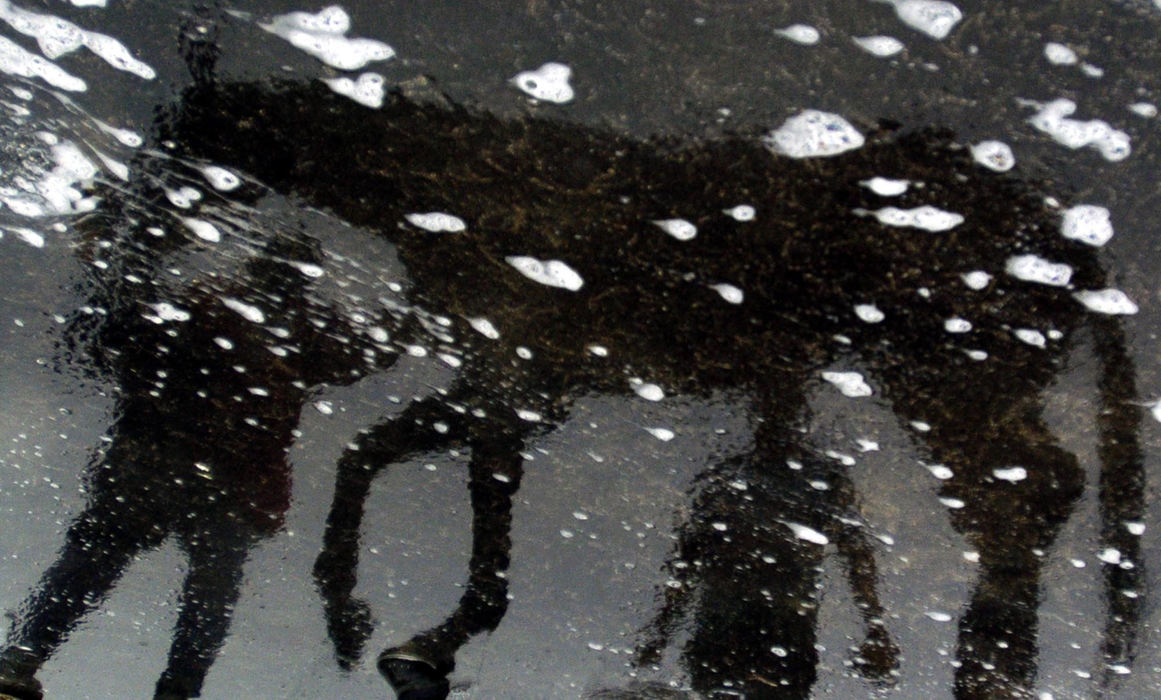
{"x":412,"y":677}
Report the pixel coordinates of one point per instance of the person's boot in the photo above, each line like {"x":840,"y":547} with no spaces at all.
{"x":18,"y":669}
{"x":412,"y":676}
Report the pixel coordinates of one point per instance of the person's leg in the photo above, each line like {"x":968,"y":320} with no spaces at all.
{"x":208,"y":595}
{"x":99,"y":545}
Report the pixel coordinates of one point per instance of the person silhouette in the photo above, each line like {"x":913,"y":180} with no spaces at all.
{"x":211,"y":377}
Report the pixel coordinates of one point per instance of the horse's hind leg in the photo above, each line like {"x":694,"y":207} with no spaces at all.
{"x":1018,"y":488}
{"x":425,"y":425}
{"x":419,"y":667}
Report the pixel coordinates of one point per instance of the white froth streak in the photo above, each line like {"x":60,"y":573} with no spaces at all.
{"x":805,"y":533}
{"x":369,"y":89}
{"x":55,"y":193}
{"x":879,"y":45}
{"x":57,"y":37}
{"x":680,"y":229}
{"x":484,"y":327}
{"x":1107,"y":301}
{"x":1033,"y":268}
{"x":729,"y":292}
{"x":203,"y":229}
{"x":885,"y":186}
{"x":1053,"y":119}
{"x":322,"y":35}
{"x":850,"y":384}
{"x":15,"y":60}
{"x":551,"y":273}
{"x":437,"y":222}
{"x":926,"y":217}
{"x":247,"y":311}
{"x":800,"y":34}
{"x":221,"y":179}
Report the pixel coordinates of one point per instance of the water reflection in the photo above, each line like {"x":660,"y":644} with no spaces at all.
{"x":214,"y":371}
{"x":747,"y":567}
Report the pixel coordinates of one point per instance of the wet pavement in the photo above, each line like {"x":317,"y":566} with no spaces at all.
{"x":580,"y":350}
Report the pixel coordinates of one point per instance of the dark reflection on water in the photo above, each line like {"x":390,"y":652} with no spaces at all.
{"x":214,"y":366}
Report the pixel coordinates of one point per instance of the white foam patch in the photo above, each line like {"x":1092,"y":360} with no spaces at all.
{"x":183,"y":197}
{"x":1033,"y":268}
{"x":1107,"y":301}
{"x":879,"y":45}
{"x":530,"y":416}
{"x":680,"y":229}
{"x":885,"y":186}
{"x":548,"y":83}
{"x":742,"y":212}
{"x":323,"y":36}
{"x":940,"y":471}
{"x":26,"y":235}
{"x":308,"y":270}
{"x":869,"y":313}
{"x":1060,"y":54}
{"x":957,"y":325}
{"x":1087,"y":223}
{"x":88,"y":3}
{"x":165,"y":311}
{"x":203,"y":229}
{"x":15,"y":60}
{"x":484,"y":327}
{"x":935,"y":18}
{"x":647,"y":391}
{"x":1011,"y":474}
{"x":662,"y":434}
{"x":369,"y":89}
{"x":976,"y":279}
{"x":926,"y":217}
{"x":849,"y":383}
{"x":1110,"y":555}
{"x":552,"y":273}
{"x":119,"y":169}
{"x":247,"y":311}
{"x":805,"y":533}
{"x":437,"y":222}
{"x":56,"y":193}
{"x":994,"y":155}
{"x":1053,"y":119}
{"x":800,"y":34}
{"x":57,"y":37}
{"x":813,"y":134}
{"x":1031,"y":336}
{"x":729,"y":292}
{"x":1092,"y":71}
{"x":221,"y":179}
{"x":1147,"y":110}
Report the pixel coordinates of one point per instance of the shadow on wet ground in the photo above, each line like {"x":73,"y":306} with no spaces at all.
{"x":649,"y":393}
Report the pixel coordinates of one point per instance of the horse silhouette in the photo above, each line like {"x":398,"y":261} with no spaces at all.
{"x":765,"y":306}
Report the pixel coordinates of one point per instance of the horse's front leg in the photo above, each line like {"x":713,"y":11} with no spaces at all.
{"x":424,"y":426}
{"x":418,"y":668}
